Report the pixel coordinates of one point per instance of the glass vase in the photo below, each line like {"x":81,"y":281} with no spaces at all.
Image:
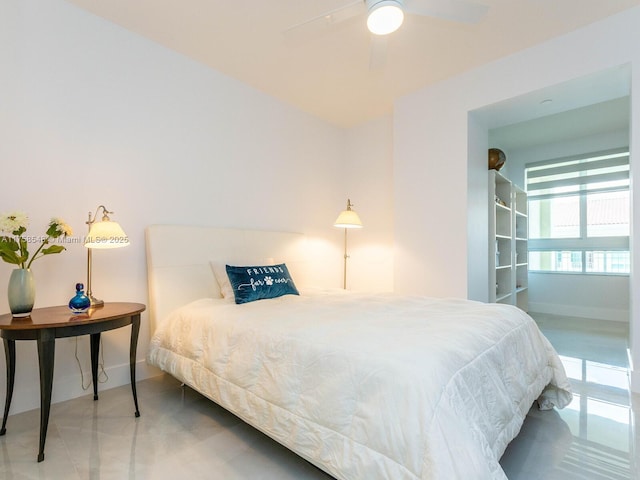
{"x":22,"y":292}
{"x":80,"y":303}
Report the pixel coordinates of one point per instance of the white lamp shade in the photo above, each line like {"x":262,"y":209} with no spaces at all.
{"x":106,"y":234}
{"x":385,"y":16}
{"x":348,"y":219}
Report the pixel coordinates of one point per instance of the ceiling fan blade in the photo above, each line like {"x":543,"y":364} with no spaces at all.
{"x":325,"y":22}
{"x":454,"y":10}
{"x":378,"y":52}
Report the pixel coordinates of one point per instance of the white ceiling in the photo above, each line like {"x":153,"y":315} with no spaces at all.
{"x":593,"y":104}
{"x":327,"y":72}
{"x":603,"y":117}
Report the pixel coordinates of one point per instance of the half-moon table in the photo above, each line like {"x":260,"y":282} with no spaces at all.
{"x":44,"y":325}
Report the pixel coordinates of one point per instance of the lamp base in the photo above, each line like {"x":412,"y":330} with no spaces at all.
{"x":95,"y":302}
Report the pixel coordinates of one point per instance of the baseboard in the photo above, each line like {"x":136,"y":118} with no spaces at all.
{"x":608,"y":314}
{"x":69,"y":386}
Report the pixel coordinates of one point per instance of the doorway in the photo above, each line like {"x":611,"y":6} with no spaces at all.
{"x":578,"y":117}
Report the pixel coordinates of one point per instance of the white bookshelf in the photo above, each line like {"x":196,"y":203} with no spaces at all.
{"x":508,"y":238}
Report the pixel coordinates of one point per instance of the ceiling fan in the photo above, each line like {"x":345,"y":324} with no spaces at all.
{"x":386,"y":16}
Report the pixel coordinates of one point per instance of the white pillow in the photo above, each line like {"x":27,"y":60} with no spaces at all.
{"x":220,"y":271}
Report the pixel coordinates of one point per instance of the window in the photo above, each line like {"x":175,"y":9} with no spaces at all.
{"x":579,"y":219}
{"x":555,"y":217}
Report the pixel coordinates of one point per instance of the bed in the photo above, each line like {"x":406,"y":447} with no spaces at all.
{"x":363,"y":386}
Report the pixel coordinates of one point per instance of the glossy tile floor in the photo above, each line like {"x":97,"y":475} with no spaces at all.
{"x":182,"y":435}
{"x":593,"y":437}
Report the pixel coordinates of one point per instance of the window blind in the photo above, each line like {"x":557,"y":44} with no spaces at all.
{"x":593,"y":173}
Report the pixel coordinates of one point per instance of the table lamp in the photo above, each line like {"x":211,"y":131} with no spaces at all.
{"x":102,"y":234}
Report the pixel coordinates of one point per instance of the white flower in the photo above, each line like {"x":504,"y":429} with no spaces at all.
{"x":14,"y":221}
{"x":13,"y":247}
{"x":61,"y":227}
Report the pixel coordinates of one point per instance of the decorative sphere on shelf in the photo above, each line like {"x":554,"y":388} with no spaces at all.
{"x":496,"y":159}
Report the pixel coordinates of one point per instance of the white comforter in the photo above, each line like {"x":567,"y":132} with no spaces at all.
{"x":370,"y":387}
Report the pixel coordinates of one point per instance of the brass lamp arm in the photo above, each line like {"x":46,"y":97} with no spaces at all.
{"x":105,"y":215}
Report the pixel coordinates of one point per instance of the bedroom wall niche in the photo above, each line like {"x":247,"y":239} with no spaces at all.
{"x":591,"y":128}
{"x":433,"y":127}
{"x":584,"y":115}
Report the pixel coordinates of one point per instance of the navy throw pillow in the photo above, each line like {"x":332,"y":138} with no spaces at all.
{"x":258,"y":283}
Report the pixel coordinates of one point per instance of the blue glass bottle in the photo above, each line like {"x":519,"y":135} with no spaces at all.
{"x":80,"y":303}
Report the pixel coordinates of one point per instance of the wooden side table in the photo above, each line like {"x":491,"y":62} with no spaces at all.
{"x":44,"y":326}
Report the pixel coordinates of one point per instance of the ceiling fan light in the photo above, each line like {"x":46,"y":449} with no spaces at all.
{"x":385,"y":16}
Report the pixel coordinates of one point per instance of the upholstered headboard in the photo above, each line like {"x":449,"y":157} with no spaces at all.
{"x":179,"y":256}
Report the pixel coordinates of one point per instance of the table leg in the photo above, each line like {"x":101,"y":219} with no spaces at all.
{"x":10,"y":354}
{"x":46,"y":355}
{"x":95,"y":350}
{"x":135,"y":330}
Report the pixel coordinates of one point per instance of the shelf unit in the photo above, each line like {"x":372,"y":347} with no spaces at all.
{"x":508,"y":238}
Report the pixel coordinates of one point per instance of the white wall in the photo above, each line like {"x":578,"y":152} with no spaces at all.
{"x":368,"y":165}
{"x":433,"y":156}
{"x":92,"y":114}
{"x":600,"y":297}
{"x":430,"y":193}
{"x":478,"y":213}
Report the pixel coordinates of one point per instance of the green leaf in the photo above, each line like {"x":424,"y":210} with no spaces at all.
{"x":9,"y":251}
{"x":9,"y":243}
{"x":52,"y":249}
{"x":23,"y":248}
{"x":10,"y":256}
{"x":52,"y":231}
